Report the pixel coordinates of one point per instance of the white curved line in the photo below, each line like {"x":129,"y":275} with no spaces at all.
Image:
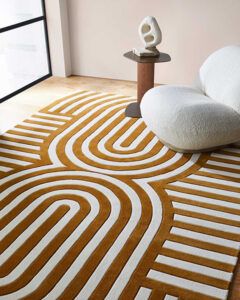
{"x":71,"y":156}
{"x":143,"y":245}
{"x":76,"y":266}
{"x":136,"y":142}
{"x":57,"y":256}
{"x":172,"y":173}
{"x":87,"y":97}
{"x":30,"y":208}
{"x":88,"y":154}
{"x":90,"y":247}
{"x":148,"y":148}
{"x":86,"y":151}
{"x":123,"y":98}
{"x":110,"y":255}
{"x":129,"y":131}
{"x":102,"y":142}
{"x":21,"y":239}
{"x":85,"y":106}
{"x":69,"y":99}
{"x":53,"y":146}
{"x":22,"y":173}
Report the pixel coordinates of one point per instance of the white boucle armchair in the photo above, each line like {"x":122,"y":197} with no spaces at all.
{"x":190,"y":119}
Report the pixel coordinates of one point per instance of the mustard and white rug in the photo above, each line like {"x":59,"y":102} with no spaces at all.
{"x":93,"y":206}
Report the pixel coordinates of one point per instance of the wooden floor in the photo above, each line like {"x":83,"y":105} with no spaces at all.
{"x":32,"y":100}
{"x":56,"y":87}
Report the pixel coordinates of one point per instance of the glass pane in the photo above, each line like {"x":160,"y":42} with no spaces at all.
{"x":16,"y":11}
{"x":23,"y":57}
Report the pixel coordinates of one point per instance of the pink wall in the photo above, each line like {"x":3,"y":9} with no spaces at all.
{"x":102,"y":30}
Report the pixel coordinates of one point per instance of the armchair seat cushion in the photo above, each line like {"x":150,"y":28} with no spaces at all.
{"x":187,"y":120}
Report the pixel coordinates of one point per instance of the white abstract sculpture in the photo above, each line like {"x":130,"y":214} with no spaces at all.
{"x":150,"y":35}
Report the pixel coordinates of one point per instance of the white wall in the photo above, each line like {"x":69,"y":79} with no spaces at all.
{"x":58,"y":33}
{"x":102,"y":30}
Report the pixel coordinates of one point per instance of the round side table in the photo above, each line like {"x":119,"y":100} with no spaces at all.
{"x":145,"y":78}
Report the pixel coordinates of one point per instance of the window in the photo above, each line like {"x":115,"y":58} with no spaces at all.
{"x":24,"y":50}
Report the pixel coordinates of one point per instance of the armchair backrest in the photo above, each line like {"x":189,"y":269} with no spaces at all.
{"x":220,"y":76}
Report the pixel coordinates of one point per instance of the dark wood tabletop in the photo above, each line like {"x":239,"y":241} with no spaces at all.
{"x":163,"y":57}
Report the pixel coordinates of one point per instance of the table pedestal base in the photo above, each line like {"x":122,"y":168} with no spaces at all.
{"x":133,"y":110}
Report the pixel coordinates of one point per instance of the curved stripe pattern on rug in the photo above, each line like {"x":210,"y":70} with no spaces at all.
{"x":93,"y":206}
